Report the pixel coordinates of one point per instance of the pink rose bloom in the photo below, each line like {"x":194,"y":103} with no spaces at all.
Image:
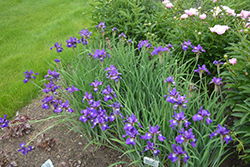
{"x":203,"y":16}
{"x":214,"y":1}
{"x":219,"y":29}
{"x":169,"y":5}
{"x":233,"y":61}
{"x":184,"y":16}
{"x":192,"y":11}
{"x":245,"y":14}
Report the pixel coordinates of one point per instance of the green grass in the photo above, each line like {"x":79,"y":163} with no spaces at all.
{"x":28,"y":30}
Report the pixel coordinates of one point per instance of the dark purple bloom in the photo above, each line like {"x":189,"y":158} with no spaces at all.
{"x":72,"y":89}
{"x":116,"y":108}
{"x":159,"y":50}
{"x":88,"y":97}
{"x":72,"y":42}
{"x":169,"y":46}
{"x":122,"y":35}
{"x":130,"y":122}
{"x":95,"y":104}
{"x":170,"y":80}
{"x":132,"y":133}
{"x":115,"y":29}
{"x":185,"y":45}
{"x":28,"y":75}
{"x":178,"y":119}
{"x":89,"y":114}
{"x":152,"y":132}
{"x":144,"y":43}
{"x":50,"y":87}
{"x":171,"y":96}
{"x":129,"y":41}
{"x":108,"y":92}
{"x":96,"y":84}
{"x":101,"y":119}
{"x":185,"y":136}
{"x":58,"y":47}
{"x":100,"y":54}
{"x":151,"y":146}
{"x":197,"y":49}
{"x":216,"y":81}
{"x":224,"y":133}
{"x":85,"y":33}
{"x":179,"y":102}
{"x":52,"y":75}
{"x":113,"y":73}
{"x":4,"y":122}
{"x":24,"y":150}
{"x":178,"y":151}
{"x":57,"y":60}
{"x":102,"y":25}
{"x":84,"y":41}
{"x":201,"y":69}
{"x":202,"y":114}
{"x":217,"y":62}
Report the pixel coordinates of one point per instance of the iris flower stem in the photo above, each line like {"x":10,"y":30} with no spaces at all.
{"x":221,"y":148}
{"x":179,"y":161}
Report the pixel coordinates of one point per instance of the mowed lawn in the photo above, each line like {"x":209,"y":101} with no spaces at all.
{"x":28,"y":29}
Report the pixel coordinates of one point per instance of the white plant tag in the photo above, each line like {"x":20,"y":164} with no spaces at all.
{"x":48,"y":163}
{"x":150,"y":161}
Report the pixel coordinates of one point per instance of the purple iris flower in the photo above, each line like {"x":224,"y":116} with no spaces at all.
{"x":72,"y":42}
{"x":52,"y":75}
{"x":217,"y":62}
{"x":171,"y":96}
{"x":153,"y":131}
{"x":170,"y":80}
{"x":216,"y":81}
{"x":132,"y":133}
{"x":129,"y":41}
{"x":159,"y":50}
{"x":102,"y":25}
{"x":88,"y":114}
{"x":58,"y":47}
{"x":144,"y":43}
{"x":197,"y":49}
{"x":224,"y":133}
{"x":95,"y":104}
{"x":113,"y":73}
{"x":115,"y":29}
{"x":202,"y":114}
{"x":4,"y":122}
{"x":178,"y":119}
{"x":169,"y":46}
{"x":101,"y":54}
{"x":50,"y":87}
{"x":179,"y":102}
{"x":88,"y":97}
{"x":130,"y":122}
{"x":201,"y":69}
{"x":85,"y":33}
{"x":151,"y":146}
{"x":28,"y":75}
{"x":84,"y":41}
{"x":101,"y":119}
{"x":96,"y":84}
{"x":57,"y":60}
{"x":72,"y":89}
{"x":185,"y":45}
{"x":185,"y":136}
{"x":178,"y":151}
{"x":24,"y":150}
{"x":47,"y":101}
{"x":108,"y":92}
{"x":122,"y":35}
{"x":116,"y":108}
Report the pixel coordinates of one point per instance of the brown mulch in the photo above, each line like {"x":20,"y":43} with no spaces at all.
{"x":68,"y":145}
